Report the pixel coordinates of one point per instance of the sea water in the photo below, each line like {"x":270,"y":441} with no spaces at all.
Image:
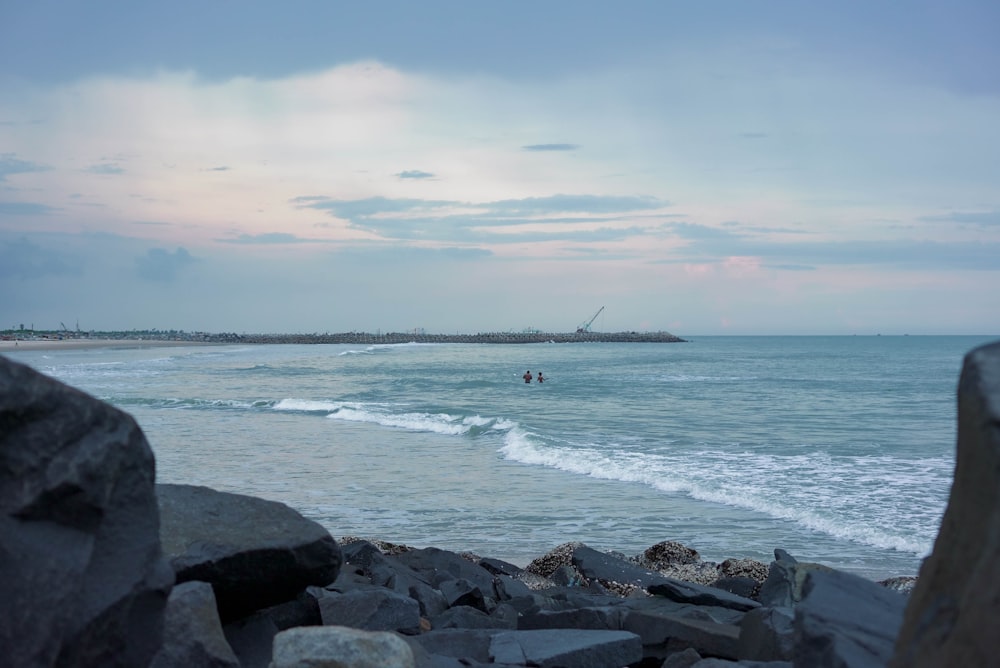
{"x":839,"y":450}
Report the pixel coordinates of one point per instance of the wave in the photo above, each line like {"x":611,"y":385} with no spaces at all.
{"x":721,"y":478}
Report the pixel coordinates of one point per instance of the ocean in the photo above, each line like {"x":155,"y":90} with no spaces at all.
{"x":839,"y":450}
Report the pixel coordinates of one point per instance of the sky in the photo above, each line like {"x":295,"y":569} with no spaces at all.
{"x":699,"y":167}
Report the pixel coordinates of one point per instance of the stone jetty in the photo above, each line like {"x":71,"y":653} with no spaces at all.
{"x":366,"y":338}
{"x":100,"y":566}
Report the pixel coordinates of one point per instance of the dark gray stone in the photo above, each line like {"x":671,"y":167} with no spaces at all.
{"x":684,"y":659}
{"x":472,"y":644}
{"x":566,"y":648}
{"x":374,"y":610}
{"x":193,"y":636}
{"x":82,"y":577}
{"x":463,"y":592}
{"x":665,"y":633}
{"x":603,"y":618}
{"x":251,"y":639}
{"x":437,"y":566}
{"x":255,"y":553}
{"x":953,"y":614}
{"x":766,"y":634}
{"x":845,"y":620}
{"x":777,"y":590}
{"x":336,"y":647}
{"x":466,"y":617}
{"x":498,"y":567}
{"x":742,"y":586}
{"x":595,"y":565}
{"x":689,"y":592}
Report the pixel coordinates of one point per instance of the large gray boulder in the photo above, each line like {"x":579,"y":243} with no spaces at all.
{"x":83,"y":581}
{"x":340,"y":647}
{"x":255,"y":553}
{"x":845,"y":620}
{"x":193,"y":635}
{"x":952,"y":616}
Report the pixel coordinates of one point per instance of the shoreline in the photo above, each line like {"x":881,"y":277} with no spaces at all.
{"x":91,"y":344}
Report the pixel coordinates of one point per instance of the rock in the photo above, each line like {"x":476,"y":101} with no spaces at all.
{"x":566,"y":648}
{"x":952,"y":616}
{"x":339,"y":647}
{"x":664,"y":633}
{"x":437,"y":566}
{"x":467,"y":617}
{"x":668,"y":553}
{"x":192,"y":636}
{"x":741,"y":586}
{"x":684,"y":659}
{"x":80,"y":556}
{"x":547,"y":564}
{"x":371,"y":610}
{"x":251,"y":639}
{"x":607,"y":568}
{"x":766,"y":634}
{"x":255,"y":553}
{"x":696,"y":594}
{"x":903,"y":584}
{"x":845,"y":620}
{"x":786,"y":575}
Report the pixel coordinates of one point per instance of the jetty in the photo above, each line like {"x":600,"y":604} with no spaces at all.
{"x":366,"y":338}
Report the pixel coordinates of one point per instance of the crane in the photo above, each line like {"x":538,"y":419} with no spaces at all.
{"x":585,"y":327}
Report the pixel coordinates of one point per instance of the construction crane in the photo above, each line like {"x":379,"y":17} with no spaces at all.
{"x":585,"y":327}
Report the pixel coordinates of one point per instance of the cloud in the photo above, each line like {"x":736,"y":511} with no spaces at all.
{"x":160,"y":265}
{"x":24,"y":209}
{"x":983,"y":218}
{"x":551,"y":147}
{"x":220,"y":168}
{"x":105,"y":168}
{"x":26,"y":260}
{"x":415,"y":174}
{"x":11,"y":164}
{"x":269,"y":238}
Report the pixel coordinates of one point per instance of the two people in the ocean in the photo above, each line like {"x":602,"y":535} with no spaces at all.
{"x":527,"y":376}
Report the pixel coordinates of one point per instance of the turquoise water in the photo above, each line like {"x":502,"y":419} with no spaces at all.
{"x":837,"y":449}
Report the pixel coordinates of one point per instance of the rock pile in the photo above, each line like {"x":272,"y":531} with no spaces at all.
{"x":84,"y":580}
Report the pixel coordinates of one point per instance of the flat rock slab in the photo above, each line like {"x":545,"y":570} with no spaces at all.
{"x":82,"y":577}
{"x":696,"y":594}
{"x":255,"y":553}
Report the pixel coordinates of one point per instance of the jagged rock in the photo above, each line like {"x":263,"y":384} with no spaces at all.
{"x":903,"y":584}
{"x":338,"y":647}
{"x":664,"y":633}
{"x":608,"y":618}
{"x":767,"y":634}
{"x":567,"y":576}
{"x":741,"y":586}
{"x":82,"y":577}
{"x":606,"y":568}
{"x":371,"y":610}
{"x":255,"y":553}
{"x":669,"y":553}
{"x":953,"y":614}
{"x":786,"y":575}
{"x":745,"y":568}
{"x":701,"y":572}
{"x":689,"y":592}
{"x":845,"y":620}
{"x":566,"y":648}
{"x":463,"y":592}
{"x":251,"y":639}
{"x":684,"y":659}
{"x":547,"y":564}
{"x":499,"y":567}
{"x":192,"y":635}
{"x":467,"y":617}
{"x":437,"y":566}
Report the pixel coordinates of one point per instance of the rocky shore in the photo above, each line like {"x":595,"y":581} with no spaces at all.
{"x":101,"y":566}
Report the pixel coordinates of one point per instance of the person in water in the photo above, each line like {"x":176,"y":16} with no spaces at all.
{"x":527,"y":376}
{"x":540,"y":379}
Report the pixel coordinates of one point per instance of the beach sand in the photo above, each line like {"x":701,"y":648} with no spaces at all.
{"x":81,"y":344}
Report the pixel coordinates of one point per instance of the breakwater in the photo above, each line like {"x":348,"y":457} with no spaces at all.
{"x":366,"y":338}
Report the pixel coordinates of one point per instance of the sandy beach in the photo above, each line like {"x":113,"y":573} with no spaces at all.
{"x":79,"y":344}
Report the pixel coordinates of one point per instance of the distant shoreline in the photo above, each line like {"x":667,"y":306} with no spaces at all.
{"x":356,"y":338}
{"x":87,"y":344}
